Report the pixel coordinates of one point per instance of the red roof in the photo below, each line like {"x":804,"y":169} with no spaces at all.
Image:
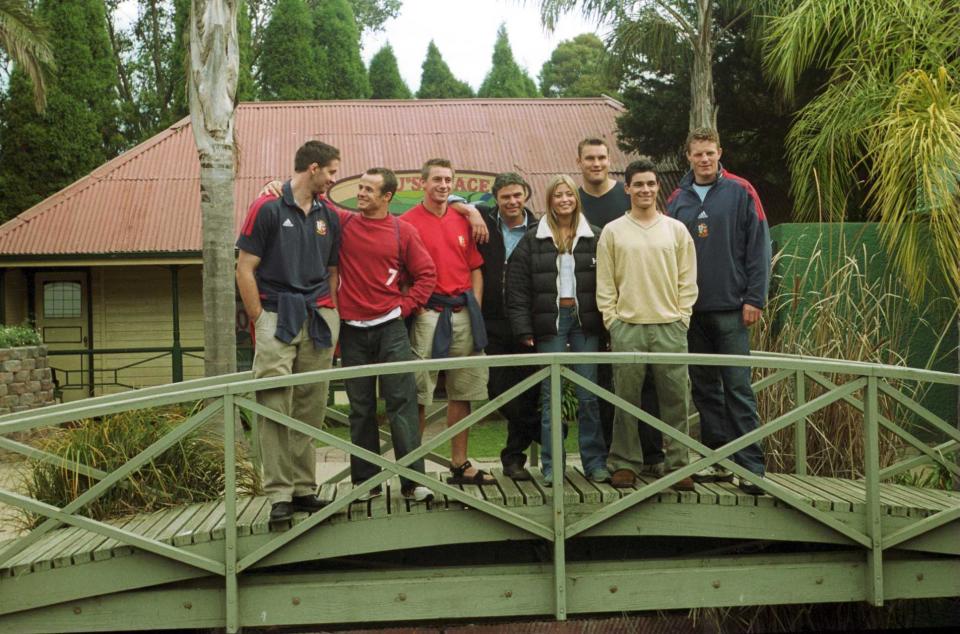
{"x":147,"y":201}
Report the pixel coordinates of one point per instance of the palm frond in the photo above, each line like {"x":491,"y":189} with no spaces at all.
{"x":916,"y":180}
{"x":652,"y":36}
{"x":24,"y":38}
{"x":886,"y":126}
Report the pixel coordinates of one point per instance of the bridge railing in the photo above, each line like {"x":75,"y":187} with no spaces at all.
{"x":222,"y":396}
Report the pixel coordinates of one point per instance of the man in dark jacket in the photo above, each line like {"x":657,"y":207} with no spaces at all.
{"x":723,"y":214}
{"x":506,"y":222}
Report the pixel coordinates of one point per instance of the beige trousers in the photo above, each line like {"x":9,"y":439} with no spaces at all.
{"x":289,"y":458}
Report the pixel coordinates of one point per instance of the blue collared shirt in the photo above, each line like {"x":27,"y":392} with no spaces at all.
{"x":512,"y":235}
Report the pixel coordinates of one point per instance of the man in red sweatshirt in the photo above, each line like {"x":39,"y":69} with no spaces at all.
{"x":379,"y":257}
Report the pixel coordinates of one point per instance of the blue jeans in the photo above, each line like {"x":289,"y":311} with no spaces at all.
{"x":593,"y":450}
{"x":723,"y":395}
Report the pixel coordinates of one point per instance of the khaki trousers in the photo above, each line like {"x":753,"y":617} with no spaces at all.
{"x":626,"y":451}
{"x":289,"y":458}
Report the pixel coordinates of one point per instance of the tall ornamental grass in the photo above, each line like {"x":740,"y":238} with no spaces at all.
{"x":190,"y":471}
{"x":840,"y":303}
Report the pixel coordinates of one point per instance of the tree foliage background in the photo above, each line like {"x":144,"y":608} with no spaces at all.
{"x":437,"y":80}
{"x":579,"y":68}
{"x":753,"y":123}
{"x":506,"y":78}
{"x":385,"y":79}
{"x":81,"y":126}
{"x":123,"y":78}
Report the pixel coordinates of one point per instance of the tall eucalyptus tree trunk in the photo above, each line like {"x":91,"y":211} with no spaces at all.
{"x":214,"y":66}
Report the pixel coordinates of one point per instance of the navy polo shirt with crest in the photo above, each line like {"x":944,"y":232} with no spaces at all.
{"x":295,"y":249}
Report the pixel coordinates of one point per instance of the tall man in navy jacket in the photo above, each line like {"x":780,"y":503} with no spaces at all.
{"x":723,"y":214}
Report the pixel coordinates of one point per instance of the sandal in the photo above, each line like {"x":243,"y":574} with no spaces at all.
{"x":457,"y":475}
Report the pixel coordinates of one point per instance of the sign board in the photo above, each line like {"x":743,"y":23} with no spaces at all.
{"x":476,"y":187}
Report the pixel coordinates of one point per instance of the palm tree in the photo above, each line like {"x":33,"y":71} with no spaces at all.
{"x":885,"y":130}
{"x":24,"y":39}
{"x":663,"y":31}
{"x":214,"y":66}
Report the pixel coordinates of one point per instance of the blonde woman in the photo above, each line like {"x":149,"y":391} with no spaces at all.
{"x":551,"y":303}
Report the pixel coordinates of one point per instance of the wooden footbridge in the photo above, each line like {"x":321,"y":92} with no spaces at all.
{"x":505,"y":550}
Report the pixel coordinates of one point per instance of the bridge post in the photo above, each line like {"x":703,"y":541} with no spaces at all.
{"x":231,"y":600}
{"x":559,"y":521}
{"x":871,"y":458}
{"x":800,"y":430}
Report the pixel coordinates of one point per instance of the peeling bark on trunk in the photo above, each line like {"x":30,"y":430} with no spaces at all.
{"x":703,"y":104}
{"x":214,"y":67}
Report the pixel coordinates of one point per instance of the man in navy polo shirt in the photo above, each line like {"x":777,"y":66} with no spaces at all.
{"x":287,"y":277}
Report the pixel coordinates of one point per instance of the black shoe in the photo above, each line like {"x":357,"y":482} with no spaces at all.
{"x":750,"y":488}
{"x":308,"y":503}
{"x":281,"y":511}
{"x":516,"y":472}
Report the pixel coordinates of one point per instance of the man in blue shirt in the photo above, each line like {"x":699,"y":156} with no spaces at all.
{"x":506,"y":222}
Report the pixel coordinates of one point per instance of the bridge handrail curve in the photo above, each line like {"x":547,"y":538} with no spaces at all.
{"x":226,"y":392}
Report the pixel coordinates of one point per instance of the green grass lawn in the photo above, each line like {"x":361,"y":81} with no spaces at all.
{"x":486,"y":437}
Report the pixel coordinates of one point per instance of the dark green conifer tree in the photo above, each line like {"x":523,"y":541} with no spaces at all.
{"x":437,"y":81}
{"x":40,"y":154}
{"x":385,"y":80}
{"x":246,"y":88}
{"x":288,"y":62}
{"x":506,"y":78}
{"x":335,"y":33}
{"x":180,"y":57}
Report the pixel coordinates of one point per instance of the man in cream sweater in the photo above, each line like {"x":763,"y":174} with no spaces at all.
{"x":646,"y":288}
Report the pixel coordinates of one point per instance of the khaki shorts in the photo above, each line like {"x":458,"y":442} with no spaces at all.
{"x":463,"y":384}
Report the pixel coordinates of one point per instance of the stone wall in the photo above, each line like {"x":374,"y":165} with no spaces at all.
{"x":26,"y":380}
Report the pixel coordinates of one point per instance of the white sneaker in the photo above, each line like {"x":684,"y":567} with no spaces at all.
{"x":418,"y":494}
{"x":375,"y":492}
{"x":713,"y":473}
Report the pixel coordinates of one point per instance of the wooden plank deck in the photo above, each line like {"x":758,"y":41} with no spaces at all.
{"x":203,"y":523}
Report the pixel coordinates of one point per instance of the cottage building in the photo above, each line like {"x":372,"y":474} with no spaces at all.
{"x":109,"y":268}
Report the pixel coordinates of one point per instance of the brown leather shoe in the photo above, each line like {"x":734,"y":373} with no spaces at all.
{"x":684,"y":485}
{"x":623,"y":478}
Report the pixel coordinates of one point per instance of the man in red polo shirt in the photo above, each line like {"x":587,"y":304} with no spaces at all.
{"x":451,"y":324}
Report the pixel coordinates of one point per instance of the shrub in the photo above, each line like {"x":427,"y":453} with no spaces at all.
{"x":190,"y":471}
{"x":15,"y":336}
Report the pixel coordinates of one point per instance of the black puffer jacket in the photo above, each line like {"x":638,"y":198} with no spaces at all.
{"x":533,"y":276}
{"x":494,"y":254}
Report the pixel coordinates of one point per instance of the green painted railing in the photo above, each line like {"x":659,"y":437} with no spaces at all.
{"x":225,"y":394}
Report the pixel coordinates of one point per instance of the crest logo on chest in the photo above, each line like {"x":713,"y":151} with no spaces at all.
{"x":321,"y":228}
{"x":463,"y":241}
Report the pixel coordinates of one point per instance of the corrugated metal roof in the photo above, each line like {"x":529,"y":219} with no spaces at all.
{"x":147,"y":201}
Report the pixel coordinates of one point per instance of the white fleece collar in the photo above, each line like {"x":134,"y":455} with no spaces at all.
{"x":583,"y":229}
